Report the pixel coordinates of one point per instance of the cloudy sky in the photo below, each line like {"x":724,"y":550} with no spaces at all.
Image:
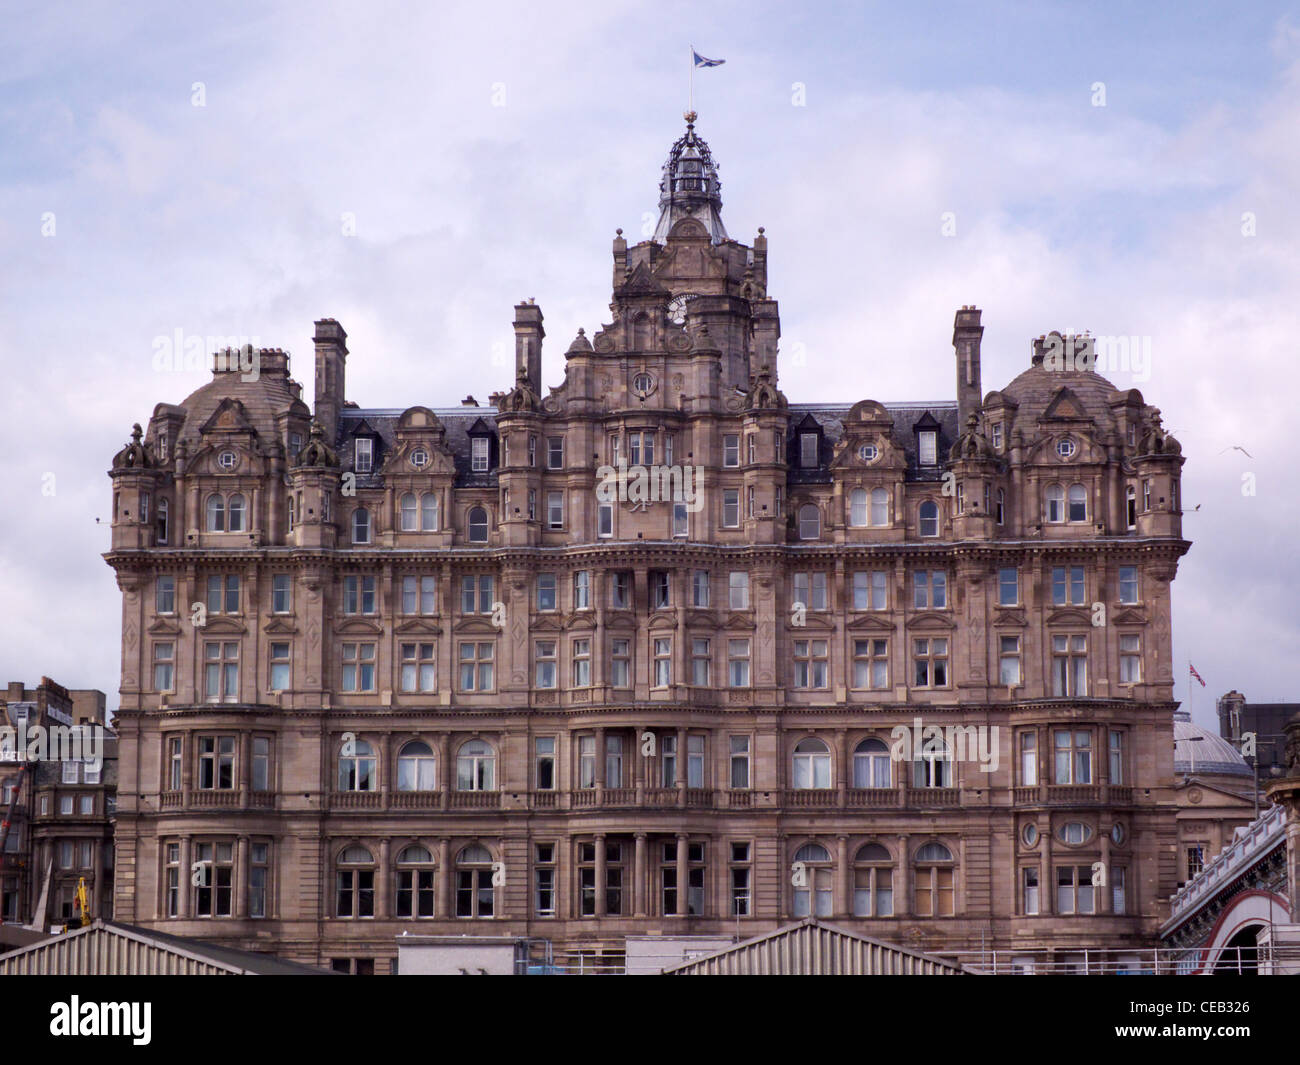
{"x":487,"y":152}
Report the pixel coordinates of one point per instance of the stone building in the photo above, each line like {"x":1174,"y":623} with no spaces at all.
{"x":638,"y":653}
{"x":62,"y":828}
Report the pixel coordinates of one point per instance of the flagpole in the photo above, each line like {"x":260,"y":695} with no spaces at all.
{"x":690,"y":104}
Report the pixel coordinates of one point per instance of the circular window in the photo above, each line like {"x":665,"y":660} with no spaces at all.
{"x":868,"y":452}
{"x":1065,"y":448}
{"x":1074,"y":832}
{"x":419,"y":458}
{"x":1030,"y":835}
{"x":227,"y":460}
{"x":643,"y":384}
{"x":1117,"y":833}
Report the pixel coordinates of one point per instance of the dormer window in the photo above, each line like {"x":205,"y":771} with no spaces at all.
{"x":365,"y":454}
{"x":295,"y":446}
{"x":868,"y":452}
{"x":927,"y":447}
{"x":162,"y":447}
{"x":808,"y":450}
{"x":479,"y":454}
{"x":1065,"y":448}
{"x":419,"y":458}
{"x":997,"y":437}
{"x":227,"y":460}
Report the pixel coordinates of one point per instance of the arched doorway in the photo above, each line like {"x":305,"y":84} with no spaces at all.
{"x":1240,"y":955}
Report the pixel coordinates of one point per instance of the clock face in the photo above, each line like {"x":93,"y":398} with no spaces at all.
{"x":677,"y":307}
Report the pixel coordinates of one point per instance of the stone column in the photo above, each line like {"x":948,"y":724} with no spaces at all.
{"x":639,"y":876}
{"x":186,"y":888}
{"x":600,"y":874}
{"x":241,"y":876}
{"x":903,"y":893}
{"x":444,"y":906}
{"x":683,"y":873}
{"x":383,"y":880}
{"x":842,"y":889}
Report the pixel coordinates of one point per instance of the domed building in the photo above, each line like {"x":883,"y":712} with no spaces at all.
{"x":1215,"y":792}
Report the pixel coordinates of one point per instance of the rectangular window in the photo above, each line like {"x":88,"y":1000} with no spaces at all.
{"x":741,"y":897}
{"x":223,"y":594}
{"x":753,"y":447}
{"x":164,"y":663}
{"x":261,"y":774}
{"x":546,"y":591}
{"x":1128,"y":584}
{"x":663,"y":662}
{"x":871,"y":664}
{"x":749,"y":501}
{"x":620,"y":590}
{"x":620,"y":663}
{"x":811,"y":664}
{"x":258,"y":872}
{"x":70,"y":772}
{"x":279,"y":659}
{"x":997,"y":436}
{"x":165,"y":595}
{"x":731,"y":450}
{"x":930,"y":589}
{"x":681,"y":520}
{"x":359,"y":667}
{"x":738,"y":590}
{"x":660,"y":589}
{"x":927,"y":448}
{"x":555,"y":510}
{"x":544,"y":879}
{"x":532,"y":451}
{"x":613,"y":761}
{"x":810,"y":590}
{"x":544,"y":764}
{"x":870,"y":590}
{"x":555,"y":452}
{"x":738,"y":663}
{"x":1067,"y":586}
{"x":417,"y":666}
{"x":216,"y":763}
{"x":1069,"y":666}
{"x":174,"y":763}
{"x":934,"y":891}
{"x":1074,"y":889}
{"x":359,"y":595}
{"x":582,"y":663}
{"x":700,"y":588}
{"x":1116,"y":756}
{"x":1029,"y":882}
{"x":476,"y":667}
{"x":701,"y":662}
{"x":1009,"y":660}
{"x":604,"y":519}
{"x":1029,"y":759}
{"x":1195,"y":861}
{"x":582,"y":589}
{"x":479,"y":450}
{"x":739,"y":748}
{"x":85,"y":805}
{"x":1008,"y":586}
{"x":281,"y":593}
{"x":221,"y":672}
{"x":586,"y":761}
{"x":1130,"y":658}
{"x":1073,"y":761}
{"x":731,"y":508}
{"x":808,"y":450}
{"x":173,"y":897}
{"x":476,"y":595}
{"x":930,"y":657}
{"x":1118,"y":900}
{"x":695,"y":765}
{"x":365,"y":454}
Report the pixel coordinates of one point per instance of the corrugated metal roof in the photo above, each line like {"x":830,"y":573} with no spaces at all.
{"x":811,"y":948}
{"x":108,"y":948}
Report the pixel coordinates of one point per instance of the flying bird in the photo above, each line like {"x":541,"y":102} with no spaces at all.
{"x":1238,"y":447}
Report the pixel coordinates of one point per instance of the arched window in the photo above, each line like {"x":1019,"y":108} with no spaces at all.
{"x":934,"y":881}
{"x":812,"y":764}
{"x":415,"y":883}
{"x":1131,"y":506}
{"x":880,"y":506}
{"x":429,"y":512}
{"x":858,"y":508}
{"x":810,"y":522}
{"x":409,"y":516}
{"x":162,"y":521}
{"x":871,"y":765}
{"x":476,"y":765}
{"x":415,"y":767}
{"x":873,"y":882}
{"x":1078,"y":503}
{"x":215,"y":509}
{"x":816,"y":895}
{"x":1055,"y":503}
{"x":474,"y":895}
{"x":235,"y":509}
{"x":357,"y":766}
{"x":293,"y":513}
{"x":478,"y":525}
{"x":361,"y":526}
{"x":929,"y":515}
{"x":932,"y":764}
{"x":355,"y":883}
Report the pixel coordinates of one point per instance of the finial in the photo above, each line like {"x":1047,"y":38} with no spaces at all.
{"x":618,"y":232}
{"x":581,"y":332}
{"x":136,"y":432}
{"x":690,"y":117}
{"x":761,"y":231}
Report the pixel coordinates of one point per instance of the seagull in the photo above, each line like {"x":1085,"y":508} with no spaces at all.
{"x":1238,"y":447}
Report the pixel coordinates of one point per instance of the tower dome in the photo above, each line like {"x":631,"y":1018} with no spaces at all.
{"x":690,"y":187}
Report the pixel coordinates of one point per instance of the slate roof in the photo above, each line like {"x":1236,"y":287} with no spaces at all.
{"x":457,"y":421}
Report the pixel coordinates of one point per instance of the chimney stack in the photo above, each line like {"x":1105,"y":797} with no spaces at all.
{"x":331,"y":365}
{"x":528,"y":343}
{"x":966,"y":335}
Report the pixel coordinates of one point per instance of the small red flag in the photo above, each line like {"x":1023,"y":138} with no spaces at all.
{"x":1195,"y":674}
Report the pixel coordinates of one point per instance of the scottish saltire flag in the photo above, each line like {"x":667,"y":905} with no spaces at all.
{"x":1195,"y":674}
{"x":700,"y":61}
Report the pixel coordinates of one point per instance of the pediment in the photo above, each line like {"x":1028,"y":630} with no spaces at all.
{"x":1010,"y":617}
{"x":620,"y":619}
{"x":642,"y":283}
{"x":661,"y":621}
{"x":1065,"y":406}
{"x":219,"y":625}
{"x":164,"y":627}
{"x":931,"y":620}
{"x":581,"y":620}
{"x":739,"y":622}
{"x":817,"y":622}
{"x":476,"y":626}
{"x":549,"y":622}
{"x":280,"y":626}
{"x":1129,"y":616}
{"x":1070,"y":616}
{"x":229,"y":417}
{"x":418,"y":627}
{"x":871,"y":622}
{"x":359,"y":627}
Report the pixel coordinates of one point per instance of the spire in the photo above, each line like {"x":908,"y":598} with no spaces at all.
{"x":690,"y":185}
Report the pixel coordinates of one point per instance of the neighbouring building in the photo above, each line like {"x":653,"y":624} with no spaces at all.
{"x":1216,"y":795}
{"x":1267,"y":721}
{"x":635,"y":654}
{"x":62,"y":829}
